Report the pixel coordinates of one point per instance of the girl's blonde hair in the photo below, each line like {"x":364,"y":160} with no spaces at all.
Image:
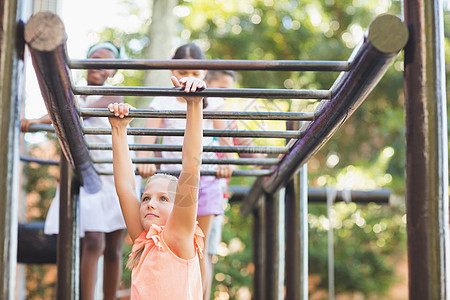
{"x":136,"y":256}
{"x":169,"y":177}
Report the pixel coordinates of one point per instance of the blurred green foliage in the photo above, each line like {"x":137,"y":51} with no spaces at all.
{"x":368,"y":243}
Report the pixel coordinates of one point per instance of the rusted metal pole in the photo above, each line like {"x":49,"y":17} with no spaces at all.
{"x":386,"y":36}
{"x":297,"y":236}
{"x":259,"y":250}
{"x":271,"y":250}
{"x":180,"y":132}
{"x":319,"y":195}
{"x":228,"y":149}
{"x":11,"y":68}
{"x":68,"y":243}
{"x":315,"y":195}
{"x":205,"y":161}
{"x":45,"y":36}
{"x":380,"y":196}
{"x":236,"y":173}
{"x":274,"y":245}
{"x":206,"y":132}
{"x":179,"y":92}
{"x":213,"y":64}
{"x":227,"y":115}
{"x":426,"y":152}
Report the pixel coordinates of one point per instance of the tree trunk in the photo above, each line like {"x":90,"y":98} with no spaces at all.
{"x":161,"y":34}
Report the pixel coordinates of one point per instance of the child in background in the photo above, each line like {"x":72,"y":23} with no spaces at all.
{"x":167,"y":242}
{"x":101,"y":223}
{"x":210,"y":202}
{"x":223,"y":79}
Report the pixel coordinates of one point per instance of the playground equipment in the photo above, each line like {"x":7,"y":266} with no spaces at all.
{"x":427,"y":186}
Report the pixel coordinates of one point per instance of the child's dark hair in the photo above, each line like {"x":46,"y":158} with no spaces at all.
{"x":190,"y":51}
{"x":216,"y":74}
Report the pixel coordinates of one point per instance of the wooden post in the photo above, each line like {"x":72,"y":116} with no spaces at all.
{"x":274,"y":276}
{"x":45,"y":36}
{"x":68,"y":253}
{"x":11,"y":67}
{"x":259,"y":250}
{"x":297,"y":237}
{"x":427,"y":203}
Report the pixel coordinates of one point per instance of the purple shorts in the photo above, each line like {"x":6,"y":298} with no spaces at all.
{"x":210,"y":196}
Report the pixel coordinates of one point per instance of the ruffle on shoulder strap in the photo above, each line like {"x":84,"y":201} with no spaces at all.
{"x":155,"y":234}
{"x":152,"y":236}
{"x":199,"y":240}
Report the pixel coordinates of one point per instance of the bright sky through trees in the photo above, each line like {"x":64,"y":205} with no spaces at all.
{"x":82,"y":19}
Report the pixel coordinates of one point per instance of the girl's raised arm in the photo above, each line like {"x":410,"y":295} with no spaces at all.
{"x":180,"y":226}
{"x":124,"y":177}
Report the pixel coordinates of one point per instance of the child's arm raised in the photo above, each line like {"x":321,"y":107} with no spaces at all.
{"x":124,"y":176}
{"x":180,"y":226}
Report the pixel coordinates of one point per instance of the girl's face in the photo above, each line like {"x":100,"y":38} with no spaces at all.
{"x":156,"y":202}
{"x":200,"y":74}
{"x":98,"y":77}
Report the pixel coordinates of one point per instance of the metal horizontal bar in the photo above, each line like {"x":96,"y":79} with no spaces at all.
{"x":236,"y":173}
{"x":41,"y":127}
{"x":179,"y":92}
{"x":30,"y":159}
{"x":180,"y":132}
{"x":206,"y":132}
{"x":319,"y":195}
{"x":193,"y":64}
{"x":177,"y":148}
{"x":228,"y":115}
{"x":381,"y":196}
{"x":221,"y":161}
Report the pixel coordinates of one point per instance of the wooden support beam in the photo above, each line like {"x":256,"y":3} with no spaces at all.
{"x":297,"y":237}
{"x":274,"y":245}
{"x":259,"y":251}
{"x":45,"y":36}
{"x":11,"y":68}
{"x":35,"y":247}
{"x":68,"y":244}
{"x":427,"y":197}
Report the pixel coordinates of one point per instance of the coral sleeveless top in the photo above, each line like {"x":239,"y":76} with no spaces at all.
{"x":161,"y":274}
